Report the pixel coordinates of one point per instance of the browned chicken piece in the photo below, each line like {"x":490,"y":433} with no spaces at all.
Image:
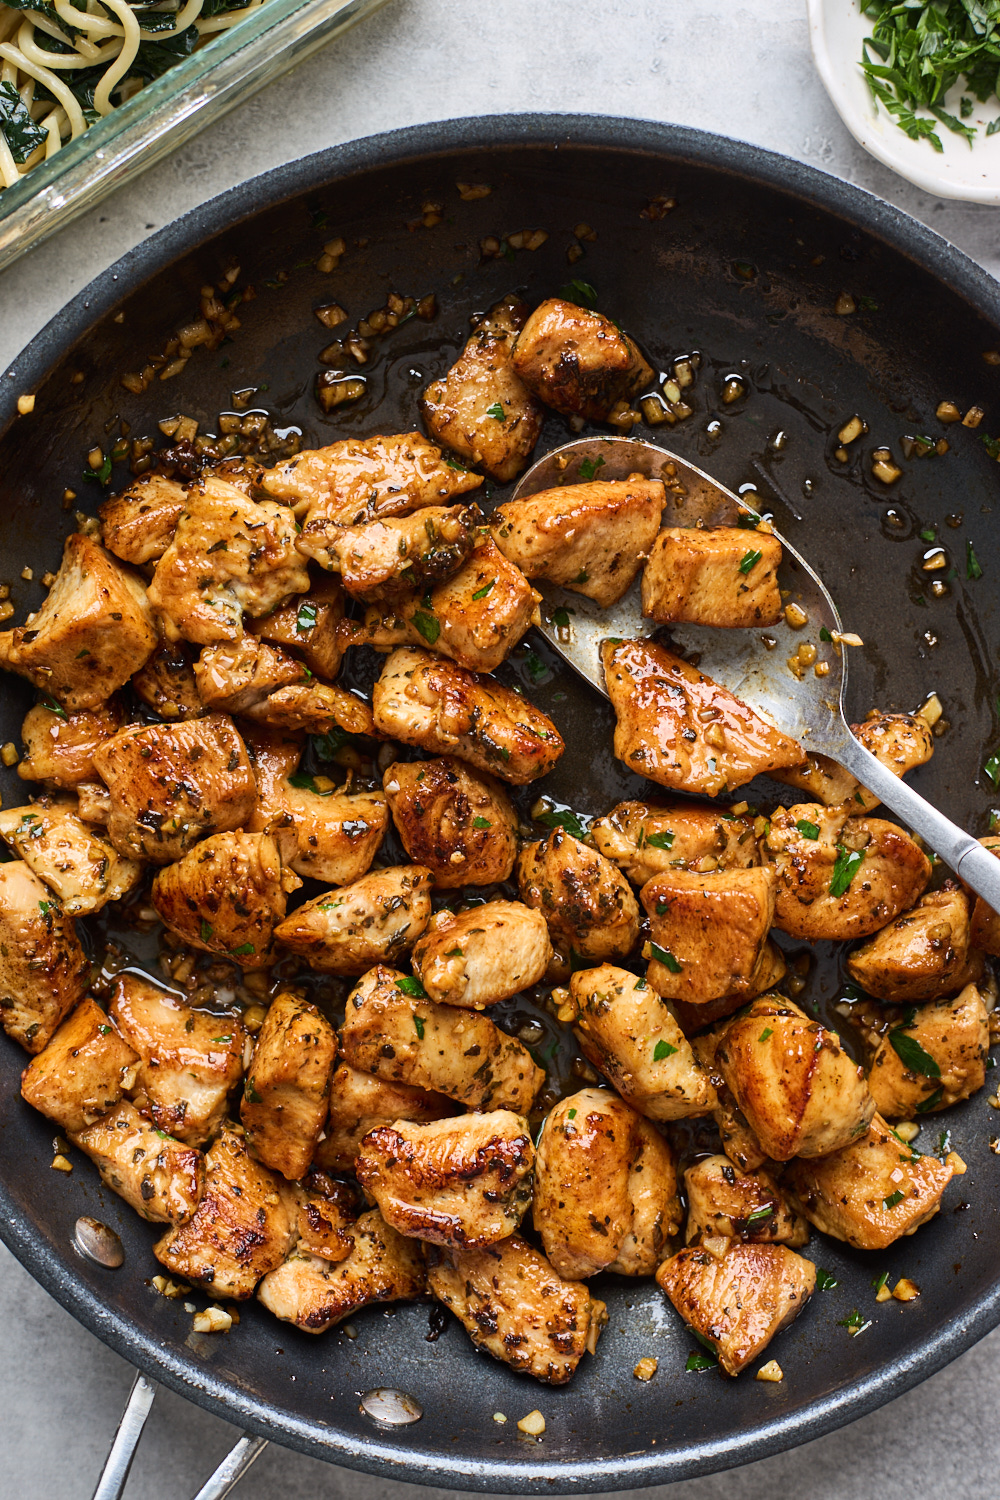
{"x":77,"y":863}
{"x":719,"y":575}
{"x":93,"y":803}
{"x":678,"y":727}
{"x":235,"y":676}
{"x":167,"y":684}
{"x":475,"y":958}
{"x":515,"y":1306}
{"x":630,"y":1036}
{"x":739,"y":1205}
{"x":578,"y":362}
{"x":229,"y":556}
{"x":93,"y":631}
{"x":692,"y":1017}
{"x":309,"y":625}
{"x":227,"y":896}
{"x":241,"y":1229}
{"x":161,"y":1178}
{"x":287,"y":1091}
{"x":59,"y":746}
{"x":308,"y":1291}
{"x":839,"y":876}
{"x":595,"y":1154}
{"x":587,"y":904}
{"x":445,"y":709}
{"x":367,"y":479}
{"x":737,"y":1296}
{"x":173,"y":784}
{"x":321,"y":1212}
{"x":655,"y":838}
{"x":871,"y":1192}
{"x":900,"y":741}
{"x":83,"y":1071}
{"x":922,"y":955}
{"x":313,"y":708}
{"x":739,"y":1142}
{"x":459,"y":823}
{"x":360,"y":1103}
{"x":792,"y":1079}
{"x":464,"y":1181}
{"x":43,"y":968}
{"x":190,"y":1060}
{"x":985,"y":928}
{"x":384,"y":560}
{"x":138,"y":525}
{"x":481,"y":409}
{"x":590,"y":538}
{"x":709,"y":933}
{"x":935,"y":1057}
{"x":401,"y":1038}
{"x":374,"y":921}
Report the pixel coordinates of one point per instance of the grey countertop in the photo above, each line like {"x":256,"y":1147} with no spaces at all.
{"x":742,"y":69}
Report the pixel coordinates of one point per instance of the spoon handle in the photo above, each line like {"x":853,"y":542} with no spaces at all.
{"x":959,"y":850}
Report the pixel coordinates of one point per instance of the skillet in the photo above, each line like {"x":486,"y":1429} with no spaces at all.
{"x":745,"y":268}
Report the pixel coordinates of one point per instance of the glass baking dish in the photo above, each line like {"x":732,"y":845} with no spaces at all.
{"x":167,"y":112}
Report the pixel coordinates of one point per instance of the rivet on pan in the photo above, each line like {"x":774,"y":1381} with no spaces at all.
{"x":391,"y":1408}
{"x":96,"y":1242}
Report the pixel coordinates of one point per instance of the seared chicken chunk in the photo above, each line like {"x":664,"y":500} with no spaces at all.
{"x":138,"y":525}
{"x":457,"y":822}
{"x":167,"y":683}
{"x":985,"y":929}
{"x":514,"y":1305}
{"x":921,"y":955}
{"x":578,"y":362}
{"x":605,"y":1188}
{"x":791,"y":1077}
{"x":693,"y":1015}
{"x":441,"y":707}
{"x":43,"y":968}
{"x":373,"y":921}
{"x":718,"y":575}
{"x":870,"y":1192}
{"x":900,"y":741}
{"x":314,"y":1294}
{"x":162,"y":1179}
{"x":241,"y":1229}
{"x":83,"y":1071}
{"x":93,"y":631}
{"x":59,"y":746}
{"x":463,"y":1182}
{"x":840,"y":876}
{"x":360,"y":1103}
{"x":229,"y":556}
{"x":739,"y":1205}
{"x":739,"y":1142}
{"x":322,"y":1212}
{"x":76,"y":862}
{"x":401,"y":1038}
{"x":590,"y":538}
{"x":678,"y":727}
{"x":488,"y":953}
{"x":227,"y":895}
{"x":481,"y":410}
{"x":173,"y":784}
{"x":709,"y":933}
{"x":189,"y":1059}
{"x":655,"y":838}
{"x":933,"y":1058}
{"x":383,"y":560}
{"x":630,"y":1036}
{"x":588,"y":906}
{"x":309,"y":624}
{"x":235,"y":676}
{"x":287,"y":1091}
{"x":366,"y":479}
{"x":313,"y":708}
{"x":736,"y":1296}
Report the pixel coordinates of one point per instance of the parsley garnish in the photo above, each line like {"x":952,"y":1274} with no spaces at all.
{"x":418,"y":1022}
{"x":481,"y":823}
{"x":766,"y":1034}
{"x":855,"y":1324}
{"x":54,"y":707}
{"x":824,"y":1281}
{"x":700,"y":1362}
{"x":481,"y":593}
{"x":992,"y":768}
{"x":912,"y":1055}
{"x":306,"y":618}
{"x":589,"y":467}
{"x":243,"y":951}
{"x":411,"y":986}
{"x":101,"y":475}
{"x":748,"y":520}
{"x":205,"y":930}
{"x":496,"y":411}
{"x":663,"y":1049}
{"x":560,"y":617}
{"x":428,"y":626}
{"x":808,"y":830}
{"x":662,"y":840}
{"x":563,"y":818}
{"x":931,"y":1102}
{"x":251,"y":1094}
{"x":760,"y":1213}
{"x":973,"y":569}
{"x":534,"y":666}
{"x":580,"y":292}
{"x":893,"y":1199}
{"x":571,"y":1114}
{"x":824,"y":634}
{"x":749,"y":560}
{"x":664,"y":956}
{"x":845,"y":867}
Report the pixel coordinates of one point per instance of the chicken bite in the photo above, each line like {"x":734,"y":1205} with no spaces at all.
{"x":678,"y":727}
{"x":646,"y":839}
{"x":313,"y":708}
{"x":83,"y":1071}
{"x":138,"y":524}
{"x":79,"y":864}
{"x":475,"y":958}
{"x":322,"y":1213}
{"x":590,"y":538}
{"x":932,"y":1057}
{"x":226,"y":896}
{"x":309,"y":625}
{"x":401,"y":1038}
{"x":709,"y":933}
{"x":628,"y":1034}
{"x":373,"y":921}
{"x":577,"y":361}
{"x":287,"y":1091}
{"x":737,"y":1296}
{"x":59,"y":746}
{"x":588,"y":906}
{"x":515,"y":1306}
{"x":900,"y":741}
{"x":922,"y":955}
{"x":739,"y":1205}
{"x":360,"y":1103}
{"x":235,"y":676}
{"x":162,"y":1179}
{"x":739,"y":1142}
{"x":459,"y":823}
{"x":173,"y":784}
{"x":384,"y":560}
{"x":716,"y":575}
{"x":984,"y":931}
{"x":167,"y":683}
{"x":43,"y":968}
{"x":93,"y":631}
{"x":441,"y":707}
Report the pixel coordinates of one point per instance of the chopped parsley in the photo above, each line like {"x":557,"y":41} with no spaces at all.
{"x":662,"y":1050}
{"x":486,"y":588}
{"x":912,"y":1055}
{"x":664,"y":956}
{"x":973,"y":569}
{"x":662,"y":840}
{"x":766,"y":1034}
{"x":589,"y":467}
{"x":697,"y":1363}
{"x":992,"y":768}
{"x":580,"y":292}
{"x":855,"y":1324}
{"x":101,"y":475}
{"x":306,"y":618}
{"x":534,"y":666}
{"x":418,"y":1023}
{"x":845,"y":867}
{"x":560,"y":617}
{"x":243,"y":951}
{"x":760,"y":1213}
{"x":205,"y":930}
{"x":931,"y":1102}
{"x":496,"y":411}
{"x":571,"y":1114}
{"x":749,"y":560}
{"x":808,"y":830}
{"x":893,"y":1199}
{"x":225,"y":1040}
{"x":428,"y":626}
{"x":824,"y":1281}
{"x":481,"y":823}
{"x":562,"y":817}
{"x":454,"y":953}
{"x":250,"y":1093}
{"x":824,"y":634}
{"x":411,"y":986}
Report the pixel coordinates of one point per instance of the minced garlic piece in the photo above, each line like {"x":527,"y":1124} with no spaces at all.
{"x":772,"y":1371}
{"x":905,"y":1290}
{"x":955,"y":1162}
{"x":213,"y":1320}
{"x":646,"y":1368}
{"x":533,"y":1424}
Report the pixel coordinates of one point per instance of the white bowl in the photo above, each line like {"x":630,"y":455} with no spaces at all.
{"x":836,"y":31}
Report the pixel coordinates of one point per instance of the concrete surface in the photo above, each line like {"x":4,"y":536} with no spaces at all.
{"x":744,"y":70}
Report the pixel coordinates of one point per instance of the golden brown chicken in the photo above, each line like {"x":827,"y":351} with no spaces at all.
{"x":322,"y":1212}
{"x":985,"y":928}
{"x":932,"y":1057}
{"x":900,"y":741}
{"x":722,"y":576}
{"x":227,"y":895}
{"x":360,"y":1102}
{"x":167,"y":682}
{"x":235,"y":676}
{"x":655,"y":838}
{"x":921,"y":955}
{"x":313,"y":708}
{"x":459,"y":823}
{"x":43,"y":968}
{"x":384,"y":560}
{"x":708,"y":933}
{"x":138,"y":524}
{"x":477,"y":957}
{"x":59,"y":746}
{"x":739,"y":1205}
{"x":374,"y":921}
{"x":309,"y":625}
{"x":79,"y":864}
{"x":588,"y":906}
{"x":287,"y":1091}
{"x":739,"y":1142}
{"x":162,"y":1179}
{"x":577,"y":361}
{"x":83,"y":1071}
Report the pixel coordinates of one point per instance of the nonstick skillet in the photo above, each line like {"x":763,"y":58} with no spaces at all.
{"x":702,"y":245}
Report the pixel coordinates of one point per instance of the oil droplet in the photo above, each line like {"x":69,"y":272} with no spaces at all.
{"x":390,"y":1407}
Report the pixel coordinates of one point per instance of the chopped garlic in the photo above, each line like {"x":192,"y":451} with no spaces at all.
{"x":533,"y":1424}
{"x":905,"y":1290}
{"x":25,"y":405}
{"x":646,"y":1368}
{"x":213,"y":1320}
{"x":955,"y":1162}
{"x":772,"y":1372}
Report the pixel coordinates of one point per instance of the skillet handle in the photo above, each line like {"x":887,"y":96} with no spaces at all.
{"x":114,"y":1475}
{"x":245,"y":1451}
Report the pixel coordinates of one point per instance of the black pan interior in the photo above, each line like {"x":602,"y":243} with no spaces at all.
{"x":744,"y":268}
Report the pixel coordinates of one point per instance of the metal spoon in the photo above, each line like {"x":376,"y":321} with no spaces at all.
{"x":809,"y":708}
